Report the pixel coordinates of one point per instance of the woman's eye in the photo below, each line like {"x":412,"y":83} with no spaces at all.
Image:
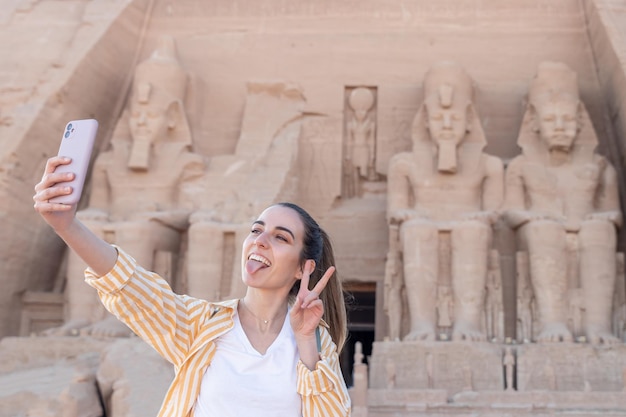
{"x":281,"y":237}
{"x":255,"y":231}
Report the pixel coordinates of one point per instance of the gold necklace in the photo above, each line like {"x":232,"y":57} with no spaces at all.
{"x":251,"y":312}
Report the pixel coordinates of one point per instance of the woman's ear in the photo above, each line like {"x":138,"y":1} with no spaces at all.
{"x":308,"y":268}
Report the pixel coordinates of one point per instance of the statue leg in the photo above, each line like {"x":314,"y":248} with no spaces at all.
{"x":204,"y":260}
{"x":141,"y":239}
{"x":548,"y":274}
{"x":470,"y":250}
{"x":82,"y":306}
{"x":598,"y":243}
{"x":420,"y":242}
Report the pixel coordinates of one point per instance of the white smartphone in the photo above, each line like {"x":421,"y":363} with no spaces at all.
{"x":77,"y":143}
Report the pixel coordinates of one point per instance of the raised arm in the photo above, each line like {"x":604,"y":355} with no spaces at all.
{"x":96,"y":253}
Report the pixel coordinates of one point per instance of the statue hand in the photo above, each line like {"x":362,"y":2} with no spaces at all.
{"x":488,"y":217}
{"x":538,"y":215}
{"x":402,"y":215}
{"x":176,"y":219}
{"x":610,"y":216}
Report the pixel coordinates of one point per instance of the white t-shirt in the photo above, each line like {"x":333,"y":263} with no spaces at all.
{"x":242,"y":382}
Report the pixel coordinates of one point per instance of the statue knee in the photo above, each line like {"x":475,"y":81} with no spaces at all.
{"x":597,"y":233}
{"x":473,"y":231}
{"x":544,"y":232}
{"x":418,"y":230}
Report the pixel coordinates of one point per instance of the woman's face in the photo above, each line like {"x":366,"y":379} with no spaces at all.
{"x":271,"y":251}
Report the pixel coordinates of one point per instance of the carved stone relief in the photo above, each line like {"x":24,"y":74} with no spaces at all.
{"x":359,"y":162}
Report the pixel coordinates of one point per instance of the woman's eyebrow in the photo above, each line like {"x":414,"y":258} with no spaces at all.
{"x":286,"y":230}
{"x":262,"y":223}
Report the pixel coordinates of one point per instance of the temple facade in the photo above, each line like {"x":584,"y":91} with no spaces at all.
{"x":466,"y":159}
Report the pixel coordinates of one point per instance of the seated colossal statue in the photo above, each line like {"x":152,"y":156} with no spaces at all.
{"x":443,"y":198}
{"x":136,"y":196}
{"x":562,"y":200}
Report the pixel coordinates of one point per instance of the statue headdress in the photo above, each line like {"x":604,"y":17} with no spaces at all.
{"x":555,"y":81}
{"x":448,"y":83}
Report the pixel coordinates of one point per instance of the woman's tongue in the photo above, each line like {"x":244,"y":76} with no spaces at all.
{"x":252,"y":266}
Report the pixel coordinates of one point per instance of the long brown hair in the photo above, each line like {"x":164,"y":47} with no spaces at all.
{"x":317,"y":246}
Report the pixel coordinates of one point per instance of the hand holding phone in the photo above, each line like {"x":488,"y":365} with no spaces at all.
{"x":77,"y":143}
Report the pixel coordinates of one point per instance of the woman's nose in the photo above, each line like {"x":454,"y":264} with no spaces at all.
{"x":261,"y":240}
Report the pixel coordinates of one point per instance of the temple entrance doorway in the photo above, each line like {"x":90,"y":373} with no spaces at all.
{"x":361,"y":308}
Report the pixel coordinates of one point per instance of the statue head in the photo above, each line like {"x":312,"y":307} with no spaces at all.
{"x":554,"y":106}
{"x":555,"y":117}
{"x":156,"y":105}
{"x":448,"y":119}
{"x":448,"y":97}
{"x":361,"y":101}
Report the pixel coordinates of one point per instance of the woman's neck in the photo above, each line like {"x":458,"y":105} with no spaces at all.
{"x":265,"y":312}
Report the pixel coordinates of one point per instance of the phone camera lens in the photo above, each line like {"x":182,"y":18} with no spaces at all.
{"x":67,"y":134}
{"x":69,"y":126}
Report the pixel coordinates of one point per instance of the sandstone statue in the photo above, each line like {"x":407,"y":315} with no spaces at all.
{"x":562,"y":199}
{"x":136,"y":199}
{"x":445,"y":190}
{"x":508,"y":362}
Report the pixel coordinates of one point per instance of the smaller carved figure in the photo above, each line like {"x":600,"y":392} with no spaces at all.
{"x":361,"y":150}
{"x":509,"y":367}
{"x":430,"y":371}
{"x":390,"y":369}
{"x":444,"y":307}
{"x":394,"y":284}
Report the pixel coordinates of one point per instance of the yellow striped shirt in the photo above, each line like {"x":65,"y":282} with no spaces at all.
{"x":183,"y":329}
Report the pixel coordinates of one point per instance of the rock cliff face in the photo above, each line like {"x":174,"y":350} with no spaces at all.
{"x":270,"y":111}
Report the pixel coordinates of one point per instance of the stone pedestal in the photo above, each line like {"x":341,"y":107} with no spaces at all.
{"x":449,"y":366}
{"x":567,"y":367}
{"x":432,"y":379}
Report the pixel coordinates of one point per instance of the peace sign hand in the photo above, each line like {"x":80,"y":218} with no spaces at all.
{"x":308,"y":309}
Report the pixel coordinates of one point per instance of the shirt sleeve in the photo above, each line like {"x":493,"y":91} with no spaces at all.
{"x":323,"y":390}
{"x":145,"y":302}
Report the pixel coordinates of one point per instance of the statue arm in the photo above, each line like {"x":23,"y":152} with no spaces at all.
{"x":607,"y":197}
{"x":515,"y":212}
{"x":399,"y":190}
{"x":371,"y":139}
{"x":100,"y":193}
{"x":178,"y":216}
{"x":492,"y":191}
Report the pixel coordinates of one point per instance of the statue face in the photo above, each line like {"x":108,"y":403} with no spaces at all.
{"x":446,"y":124}
{"x":147,"y":123}
{"x":557,"y":121}
{"x":146,"y":120}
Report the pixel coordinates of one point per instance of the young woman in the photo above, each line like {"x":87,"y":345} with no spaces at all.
{"x":273,"y":352}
